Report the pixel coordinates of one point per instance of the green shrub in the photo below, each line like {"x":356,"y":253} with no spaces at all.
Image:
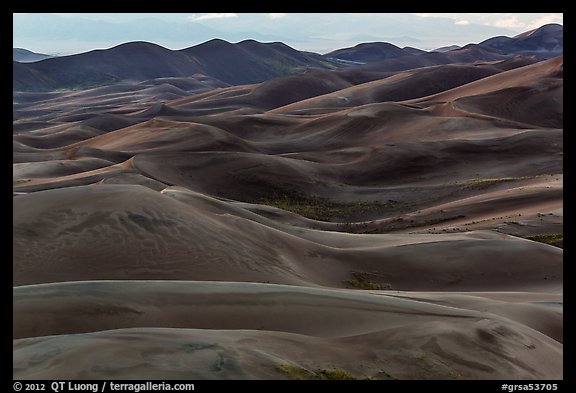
{"x":337,"y":375}
{"x":553,"y":239}
{"x":361,"y":280}
{"x":295,"y":372}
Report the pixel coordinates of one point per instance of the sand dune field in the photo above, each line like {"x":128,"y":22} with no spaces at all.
{"x":316,"y":226}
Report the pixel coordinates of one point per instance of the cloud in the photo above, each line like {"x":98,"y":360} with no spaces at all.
{"x":276,"y":16}
{"x":511,"y":22}
{"x":545,"y":19}
{"x":215,"y":15}
{"x":428,"y":15}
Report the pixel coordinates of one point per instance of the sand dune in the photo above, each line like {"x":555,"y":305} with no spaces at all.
{"x":508,"y":86}
{"x":387,"y":225}
{"x":231,"y":330}
{"x":401,"y":86}
{"x":134,"y":232}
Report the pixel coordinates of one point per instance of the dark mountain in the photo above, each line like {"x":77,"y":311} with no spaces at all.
{"x":235,"y":64}
{"x":475,"y":52}
{"x":134,"y":61}
{"x":25,"y":78}
{"x":22,"y":55}
{"x":544,"y":43}
{"x":413,"y":51}
{"x":467,"y":54}
{"x":280,"y":51}
{"x":446,"y":48}
{"x":227,"y":62}
{"x":251,"y":61}
{"x":367,"y":52}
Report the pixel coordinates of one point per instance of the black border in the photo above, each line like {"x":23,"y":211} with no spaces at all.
{"x":340,"y":6}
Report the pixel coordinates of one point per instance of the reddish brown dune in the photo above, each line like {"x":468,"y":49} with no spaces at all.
{"x":405,"y":85}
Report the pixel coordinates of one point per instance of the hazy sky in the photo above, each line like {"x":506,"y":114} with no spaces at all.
{"x":69,"y":33}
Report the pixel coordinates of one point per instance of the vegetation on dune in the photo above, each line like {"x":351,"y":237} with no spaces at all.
{"x":553,"y":239}
{"x":486,"y":182}
{"x":401,"y":223}
{"x":336,"y":374}
{"x":300,"y":373}
{"x":295,"y":372}
{"x":362,"y":280}
{"x":431,"y":365}
{"x":333,"y":374}
{"x":323,"y":209}
{"x":310,"y":206}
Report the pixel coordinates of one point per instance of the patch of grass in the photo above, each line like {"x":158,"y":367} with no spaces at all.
{"x":399,"y":224}
{"x":285,"y":197}
{"x":318,"y":208}
{"x":299,"y":373}
{"x":295,"y":372}
{"x":337,"y":375}
{"x":553,"y":239}
{"x":361,"y":280}
{"x":284,"y":68}
{"x":323,"y":209}
{"x":436,"y":365}
{"x":486,"y":182}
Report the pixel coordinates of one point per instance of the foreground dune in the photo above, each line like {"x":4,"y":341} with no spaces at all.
{"x":209,"y":330}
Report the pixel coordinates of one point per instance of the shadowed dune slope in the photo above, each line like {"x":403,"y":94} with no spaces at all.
{"x":544,"y":42}
{"x":522,"y":76}
{"x":221,"y":305}
{"x":401,"y":86}
{"x":451,"y":81}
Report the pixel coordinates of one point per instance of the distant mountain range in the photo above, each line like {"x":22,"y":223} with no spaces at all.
{"x":250,"y":61}
{"x":544,"y":42}
{"x":447,"y":48}
{"x":22,"y":55}
{"x":242,"y":63}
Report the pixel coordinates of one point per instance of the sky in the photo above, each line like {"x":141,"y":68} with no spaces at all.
{"x":69,"y":33}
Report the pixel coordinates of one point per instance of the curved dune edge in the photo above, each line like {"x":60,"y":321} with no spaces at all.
{"x":229,"y":330}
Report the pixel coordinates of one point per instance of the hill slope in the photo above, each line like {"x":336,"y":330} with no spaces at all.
{"x":245,"y":62}
{"x":544,"y":42}
{"x":22,"y":55}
